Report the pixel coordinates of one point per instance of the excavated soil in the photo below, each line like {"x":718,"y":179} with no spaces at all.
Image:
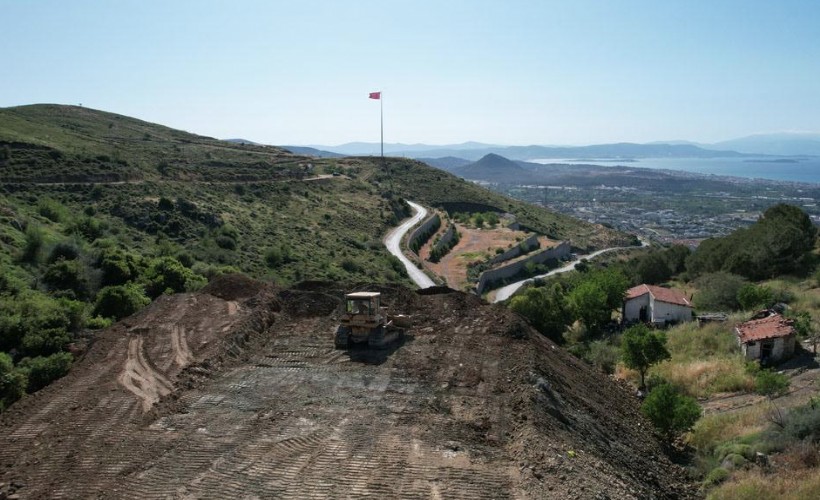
{"x":238,"y":392}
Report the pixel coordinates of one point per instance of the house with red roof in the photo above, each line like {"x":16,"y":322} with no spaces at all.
{"x":768,"y":337}
{"x":655,"y":304}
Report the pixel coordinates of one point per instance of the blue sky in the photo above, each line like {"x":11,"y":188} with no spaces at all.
{"x":506,"y":72}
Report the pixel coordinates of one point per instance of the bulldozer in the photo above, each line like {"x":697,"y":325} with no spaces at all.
{"x":365,"y":321}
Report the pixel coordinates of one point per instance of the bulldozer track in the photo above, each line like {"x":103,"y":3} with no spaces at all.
{"x":182,"y":353}
{"x":142,"y":379}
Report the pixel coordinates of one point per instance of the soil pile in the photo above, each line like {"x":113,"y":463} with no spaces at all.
{"x":202,"y":397}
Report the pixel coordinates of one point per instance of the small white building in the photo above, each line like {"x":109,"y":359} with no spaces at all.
{"x":767,"y":337}
{"x":655,"y":304}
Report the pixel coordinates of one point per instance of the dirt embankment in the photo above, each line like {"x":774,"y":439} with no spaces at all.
{"x":206,"y":397}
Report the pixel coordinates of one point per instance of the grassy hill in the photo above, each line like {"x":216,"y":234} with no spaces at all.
{"x":259,"y":190}
{"x":99,"y":213}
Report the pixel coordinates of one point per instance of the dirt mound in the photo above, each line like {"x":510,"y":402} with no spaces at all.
{"x":315,"y":286}
{"x":472,"y":403}
{"x":435,"y":290}
{"x":233,"y":286}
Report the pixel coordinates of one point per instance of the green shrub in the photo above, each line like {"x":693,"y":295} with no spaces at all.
{"x":718,"y":291}
{"x":670,"y":412}
{"x":226,"y":242}
{"x":751,"y":296}
{"x":67,"y":275}
{"x":716,"y":476}
{"x":13,"y":382}
{"x":603,"y":356}
{"x":351,"y":265}
{"x":119,"y":301}
{"x":10,"y":284}
{"x":63,"y":251}
{"x":168,"y":274}
{"x":52,"y":210}
{"x":744,"y":450}
{"x":803,"y":423}
{"x":771,"y":384}
{"x":87,"y":227}
{"x":44,"y":322}
{"x":546,"y":309}
{"x":45,"y":341}
{"x":98,"y":323}
{"x":33,"y":243}
{"x":210,"y":271}
{"x":43,"y":370}
{"x":119,"y":267}
{"x":186,"y":259}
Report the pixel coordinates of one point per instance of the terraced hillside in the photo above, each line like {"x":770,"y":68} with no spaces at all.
{"x":237,"y":391}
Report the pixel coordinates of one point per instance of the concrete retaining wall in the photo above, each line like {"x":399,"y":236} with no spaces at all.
{"x":487,"y":277}
{"x":426,"y":227}
{"x":515,"y":251}
{"x":448,"y":235}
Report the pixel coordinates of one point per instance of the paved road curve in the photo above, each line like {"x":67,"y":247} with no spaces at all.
{"x":393,"y":243}
{"x":506,"y":292}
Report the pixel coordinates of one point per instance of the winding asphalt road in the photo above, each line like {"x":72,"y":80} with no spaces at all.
{"x":393,"y":243}
{"x":506,"y":292}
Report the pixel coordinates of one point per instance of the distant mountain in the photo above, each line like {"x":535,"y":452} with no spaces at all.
{"x":474,"y":151}
{"x":494,"y":168}
{"x":448,"y":163}
{"x":677,"y":143}
{"x":785,"y":143}
{"x":398,"y":149}
{"x":308,"y":151}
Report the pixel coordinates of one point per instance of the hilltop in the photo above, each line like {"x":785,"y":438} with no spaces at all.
{"x":492,"y":167}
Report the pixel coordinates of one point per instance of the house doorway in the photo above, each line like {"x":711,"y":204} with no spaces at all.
{"x":642,"y":314}
{"x":766,"y":348}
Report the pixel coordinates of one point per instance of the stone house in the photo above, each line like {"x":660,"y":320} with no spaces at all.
{"x":655,"y":304}
{"x":768,"y":337}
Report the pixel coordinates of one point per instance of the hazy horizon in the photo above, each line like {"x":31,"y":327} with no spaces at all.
{"x":512,"y":73}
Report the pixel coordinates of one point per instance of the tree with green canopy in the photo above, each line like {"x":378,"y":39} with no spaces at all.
{"x":642,"y":348}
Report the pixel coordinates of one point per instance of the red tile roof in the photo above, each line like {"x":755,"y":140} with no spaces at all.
{"x":660,"y":294}
{"x":770,"y":327}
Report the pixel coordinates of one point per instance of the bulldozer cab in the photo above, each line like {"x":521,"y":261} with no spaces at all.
{"x":363,"y":303}
{"x":364,"y":321}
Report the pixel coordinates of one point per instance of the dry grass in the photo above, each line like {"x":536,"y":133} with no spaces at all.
{"x":711,"y":430}
{"x":754,"y":485}
{"x":702,"y":378}
{"x":705,"y":360}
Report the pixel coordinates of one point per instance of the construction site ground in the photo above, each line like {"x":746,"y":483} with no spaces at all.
{"x":238,"y":392}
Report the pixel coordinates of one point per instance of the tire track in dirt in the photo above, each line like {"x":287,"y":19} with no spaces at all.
{"x":179,"y":343}
{"x":139,"y":377}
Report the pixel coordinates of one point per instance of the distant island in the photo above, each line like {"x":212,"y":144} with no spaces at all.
{"x":773,"y":160}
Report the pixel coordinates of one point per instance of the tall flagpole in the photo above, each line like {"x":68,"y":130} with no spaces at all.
{"x":381,"y":116}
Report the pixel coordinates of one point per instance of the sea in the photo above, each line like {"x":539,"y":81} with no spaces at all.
{"x":791,"y":169}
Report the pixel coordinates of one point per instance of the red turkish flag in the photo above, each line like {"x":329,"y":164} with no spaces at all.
{"x":375,"y":95}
